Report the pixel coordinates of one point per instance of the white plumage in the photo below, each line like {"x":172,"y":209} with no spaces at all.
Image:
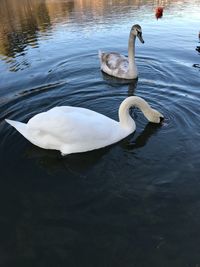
{"x":75,"y":129}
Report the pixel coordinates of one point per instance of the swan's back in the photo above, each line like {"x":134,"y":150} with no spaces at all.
{"x":73,"y":129}
{"x":63,"y":121}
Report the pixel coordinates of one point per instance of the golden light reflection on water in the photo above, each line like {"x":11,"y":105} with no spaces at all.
{"x":21,"y":21}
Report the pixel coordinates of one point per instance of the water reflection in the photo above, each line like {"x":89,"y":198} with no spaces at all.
{"x":52,"y":160}
{"x":142,"y":139}
{"x":20,"y":24}
{"x":116,"y":82}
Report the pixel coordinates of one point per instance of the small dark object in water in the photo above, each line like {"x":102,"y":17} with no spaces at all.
{"x":196,"y":65}
{"x":198,"y":48}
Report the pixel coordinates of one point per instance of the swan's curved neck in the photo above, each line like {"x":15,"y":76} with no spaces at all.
{"x":131,"y":53}
{"x":125,"y":119}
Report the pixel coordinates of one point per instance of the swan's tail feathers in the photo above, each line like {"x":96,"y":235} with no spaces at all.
{"x":102,"y":58}
{"x":99,"y":54}
{"x":19,"y":126}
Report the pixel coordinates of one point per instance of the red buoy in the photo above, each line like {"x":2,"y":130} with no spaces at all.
{"x":159,"y":12}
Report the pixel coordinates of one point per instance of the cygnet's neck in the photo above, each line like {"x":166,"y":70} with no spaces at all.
{"x":125,"y":119}
{"x":131,"y":55}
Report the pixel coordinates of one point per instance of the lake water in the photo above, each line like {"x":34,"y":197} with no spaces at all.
{"x":135,"y":203}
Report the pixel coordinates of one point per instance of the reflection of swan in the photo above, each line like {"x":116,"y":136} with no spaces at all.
{"x":132,"y":87}
{"x":53,"y":162}
{"x":75,"y":129}
{"x":118,"y":65}
{"x":143,"y":137}
{"x":113,"y":81}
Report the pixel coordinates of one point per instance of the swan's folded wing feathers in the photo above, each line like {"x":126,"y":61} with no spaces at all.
{"x":113,"y":60}
{"x":123,"y":65}
{"x":48,"y":122}
{"x":116,"y":63}
{"x":71,"y":125}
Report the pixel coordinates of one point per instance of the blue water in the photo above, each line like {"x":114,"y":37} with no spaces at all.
{"x":135,"y":203}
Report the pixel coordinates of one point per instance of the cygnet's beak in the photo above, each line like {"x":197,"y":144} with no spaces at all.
{"x":139,"y":35}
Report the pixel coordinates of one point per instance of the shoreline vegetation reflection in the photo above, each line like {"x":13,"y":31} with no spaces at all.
{"x":21,"y":25}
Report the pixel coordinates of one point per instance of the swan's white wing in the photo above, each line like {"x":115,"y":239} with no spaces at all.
{"x":73,"y":129}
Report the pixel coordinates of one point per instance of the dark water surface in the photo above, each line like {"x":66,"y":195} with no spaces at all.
{"x":136,"y":203}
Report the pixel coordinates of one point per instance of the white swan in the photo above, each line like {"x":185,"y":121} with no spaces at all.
{"x":118,"y":65}
{"x":75,"y":129}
